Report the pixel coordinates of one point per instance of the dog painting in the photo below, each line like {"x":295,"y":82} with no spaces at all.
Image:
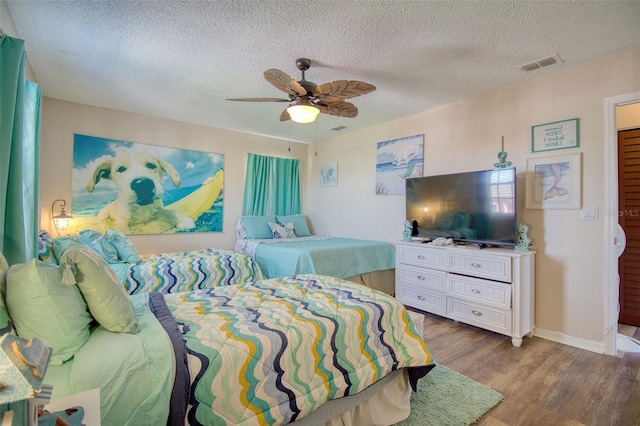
{"x":145,"y":189}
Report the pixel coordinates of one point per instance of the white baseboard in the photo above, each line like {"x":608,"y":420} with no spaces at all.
{"x":556,"y":336}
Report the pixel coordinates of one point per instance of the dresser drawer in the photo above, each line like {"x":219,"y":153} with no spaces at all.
{"x":494,"y":319}
{"x":420,"y":255}
{"x":425,"y":300}
{"x":495,"y":268}
{"x":422,"y":277}
{"x":480,"y":291}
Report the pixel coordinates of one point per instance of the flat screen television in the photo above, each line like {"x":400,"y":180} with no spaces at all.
{"x":474,"y":207}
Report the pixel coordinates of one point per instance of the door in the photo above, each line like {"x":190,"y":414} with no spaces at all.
{"x":629,"y":220}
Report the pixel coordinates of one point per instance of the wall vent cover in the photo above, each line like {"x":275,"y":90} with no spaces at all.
{"x":544,"y":62}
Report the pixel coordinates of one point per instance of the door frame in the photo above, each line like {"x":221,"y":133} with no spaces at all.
{"x":612,"y":285}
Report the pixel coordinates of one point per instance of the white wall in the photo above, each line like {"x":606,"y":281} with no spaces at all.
{"x":60,"y":120}
{"x":466,"y":136}
{"x":9,"y":28}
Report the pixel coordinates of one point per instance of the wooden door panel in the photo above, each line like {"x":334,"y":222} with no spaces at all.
{"x":629,"y":219}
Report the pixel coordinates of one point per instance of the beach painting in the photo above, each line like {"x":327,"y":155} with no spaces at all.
{"x":397,"y":160}
{"x":145,"y":189}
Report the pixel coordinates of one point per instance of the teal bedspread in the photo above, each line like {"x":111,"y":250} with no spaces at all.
{"x":337,"y":257}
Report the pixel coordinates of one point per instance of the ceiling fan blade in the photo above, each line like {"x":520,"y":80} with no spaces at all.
{"x":339,"y":109}
{"x":259,"y":100}
{"x":329,"y":101}
{"x":344,"y":89}
{"x":285,"y":115}
{"x":284,"y":82}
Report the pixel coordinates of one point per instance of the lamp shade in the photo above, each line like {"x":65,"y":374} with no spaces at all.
{"x":61,"y":220}
{"x":303,"y":112}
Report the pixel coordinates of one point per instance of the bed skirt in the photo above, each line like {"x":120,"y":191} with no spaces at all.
{"x":384,"y":280}
{"x":384,"y":403}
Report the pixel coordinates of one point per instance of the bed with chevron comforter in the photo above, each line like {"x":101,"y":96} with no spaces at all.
{"x":189,"y":270}
{"x":269,"y":352}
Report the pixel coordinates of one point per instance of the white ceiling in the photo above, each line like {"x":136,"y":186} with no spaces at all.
{"x":182,"y":59}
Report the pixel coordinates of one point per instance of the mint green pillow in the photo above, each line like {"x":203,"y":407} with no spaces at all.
{"x":100,"y":287}
{"x":6,"y":326}
{"x":299,"y":223}
{"x":257,"y":227}
{"x":126,"y":250}
{"x":40,"y":306}
{"x":100,"y":243}
{"x":60,"y":244}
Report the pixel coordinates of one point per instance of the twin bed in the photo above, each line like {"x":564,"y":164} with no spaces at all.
{"x":307,"y":349}
{"x":366,"y":262}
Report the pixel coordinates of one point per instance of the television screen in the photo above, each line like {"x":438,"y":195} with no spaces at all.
{"x":476,"y":207}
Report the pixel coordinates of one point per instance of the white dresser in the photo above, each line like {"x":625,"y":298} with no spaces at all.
{"x":491,"y":288}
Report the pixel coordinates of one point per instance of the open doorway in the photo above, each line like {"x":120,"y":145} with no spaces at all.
{"x":613,"y":240}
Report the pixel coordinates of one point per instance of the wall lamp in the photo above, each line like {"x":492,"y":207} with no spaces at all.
{"x":303,"y":111}
{"x":61,"y":220}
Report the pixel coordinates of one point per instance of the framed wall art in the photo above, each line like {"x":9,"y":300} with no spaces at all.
{"x":329,"y":175}
{"x":557,"y":135}
{"x":554,"y":182}
{"x":145,"y":189}
{"x":397,"y":160}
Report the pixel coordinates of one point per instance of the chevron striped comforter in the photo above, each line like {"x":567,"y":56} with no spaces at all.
{"x":272,"y":351}
{"x":190,"y":270}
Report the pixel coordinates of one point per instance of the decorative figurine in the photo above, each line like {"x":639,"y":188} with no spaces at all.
{"x":406,"y":233}
{"x":502,"y":158}
{"x":523,"y":242}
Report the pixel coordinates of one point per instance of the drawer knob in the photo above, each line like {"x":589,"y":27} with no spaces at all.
{"x":421,"y":297}
{"x":421,"y":257}
{"x":477,"y":313}
{"x":476,"y":265}
{"x":421,"y":277}
{"x":475,"y":291}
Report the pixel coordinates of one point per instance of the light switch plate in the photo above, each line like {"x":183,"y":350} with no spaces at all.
{"x":589,"y":213}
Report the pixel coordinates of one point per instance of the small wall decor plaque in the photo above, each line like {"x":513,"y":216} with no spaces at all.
{"x":555,"y":135}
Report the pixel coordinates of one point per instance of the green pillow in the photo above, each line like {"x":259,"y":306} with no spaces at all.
{"x":100,"y":287}
{"x":299,"y":223}
{"x":60,"y":244}
{"x":126,"y":250}
{"x":40,"y":306}
{"x":257,"y":227}
{"x":100,"y":243}
{"x":6,"y":326}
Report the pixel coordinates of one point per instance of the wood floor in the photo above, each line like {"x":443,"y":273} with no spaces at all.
{"x":544,"y":383}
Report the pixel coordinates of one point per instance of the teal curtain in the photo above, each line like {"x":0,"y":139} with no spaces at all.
{"x":256,"y":185}
{"x":285,"y":195}
{"x":20,"y":103}
{"x":272,"y":186}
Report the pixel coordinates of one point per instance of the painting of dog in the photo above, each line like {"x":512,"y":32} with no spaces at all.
{"x":134,"y":187}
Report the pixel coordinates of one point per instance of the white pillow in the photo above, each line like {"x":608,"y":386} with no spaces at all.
{"x":282,"y":230}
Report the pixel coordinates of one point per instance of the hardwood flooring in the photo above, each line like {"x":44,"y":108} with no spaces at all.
{"x":543,"y":382}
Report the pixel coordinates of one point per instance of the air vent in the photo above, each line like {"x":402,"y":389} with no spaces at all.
{"x":338,"y":128}
{"x":544,"y":62}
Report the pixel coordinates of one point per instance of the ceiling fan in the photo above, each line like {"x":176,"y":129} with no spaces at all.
{"x":307,"y":99}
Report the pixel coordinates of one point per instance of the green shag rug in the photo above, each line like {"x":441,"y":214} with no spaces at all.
{"x":448,"y":398}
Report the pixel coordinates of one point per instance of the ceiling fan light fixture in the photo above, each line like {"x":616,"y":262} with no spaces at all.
{"x":303,"y":112}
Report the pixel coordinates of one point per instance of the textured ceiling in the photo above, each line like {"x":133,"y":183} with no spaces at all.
{"x":182,"y":59}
